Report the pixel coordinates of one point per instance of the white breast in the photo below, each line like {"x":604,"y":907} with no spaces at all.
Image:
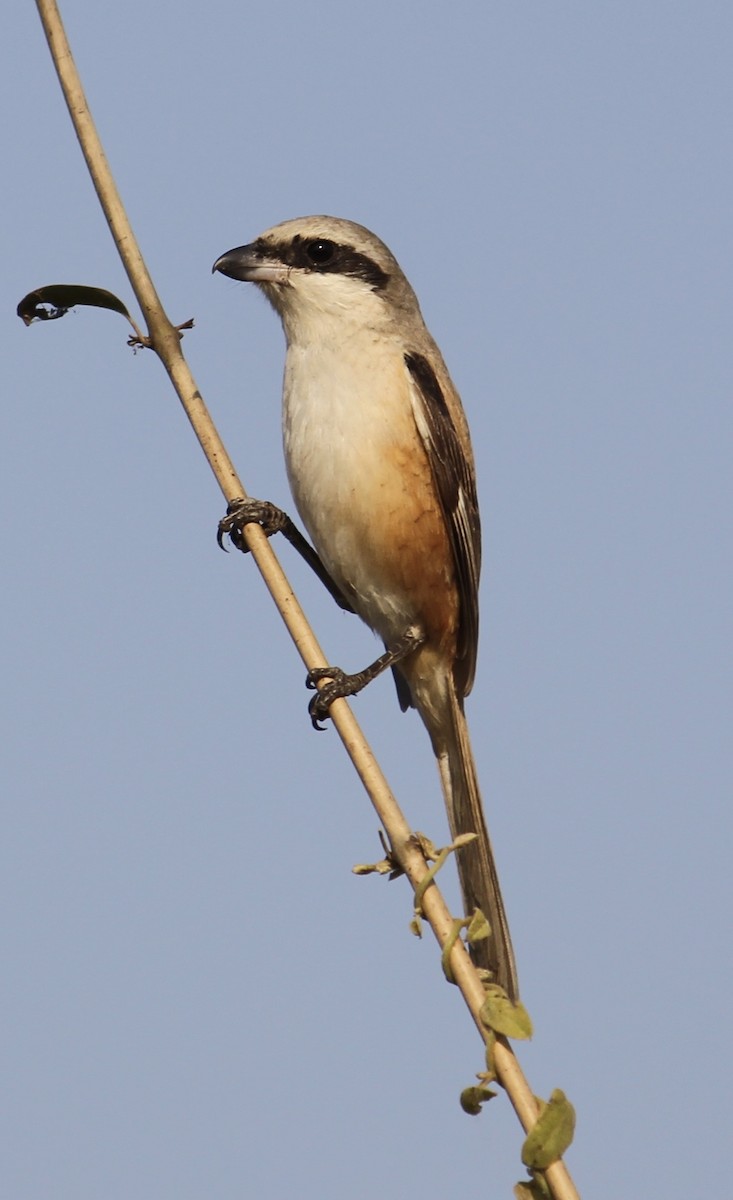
{"x":345,"y":406}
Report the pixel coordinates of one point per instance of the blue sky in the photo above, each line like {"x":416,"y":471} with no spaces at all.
{"x":199,"y":998}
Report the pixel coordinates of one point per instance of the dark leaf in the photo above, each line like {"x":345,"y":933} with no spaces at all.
{"x":53,"y":301}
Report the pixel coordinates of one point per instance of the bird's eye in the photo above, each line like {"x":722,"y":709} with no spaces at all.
{"x":320,"y":252}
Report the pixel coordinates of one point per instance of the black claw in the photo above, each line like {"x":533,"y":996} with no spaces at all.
{"x":316,"y":718}
{"x":318,"y":708}
{"x":231,"y":524}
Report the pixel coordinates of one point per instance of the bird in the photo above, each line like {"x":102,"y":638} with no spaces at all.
{"x":381,"y":469}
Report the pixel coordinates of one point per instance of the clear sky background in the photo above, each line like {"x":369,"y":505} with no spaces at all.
{"x":198,"y":998}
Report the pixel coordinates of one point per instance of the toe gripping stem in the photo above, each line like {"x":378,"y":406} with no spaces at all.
{"x":340,"y":685}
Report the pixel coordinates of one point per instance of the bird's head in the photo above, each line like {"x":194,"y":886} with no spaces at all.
{"x":317,"y":271}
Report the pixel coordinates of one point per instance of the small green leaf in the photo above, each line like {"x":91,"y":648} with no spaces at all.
{"x":502,"y":1015}
{"x":54,"y":301}
{"x":478,"y":928}
{"x":473,"y":1097}
{"x":552,"y":1133}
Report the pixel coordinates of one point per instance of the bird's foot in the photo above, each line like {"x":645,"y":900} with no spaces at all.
{"x":340,"y":686}
{"x":247,"y":511}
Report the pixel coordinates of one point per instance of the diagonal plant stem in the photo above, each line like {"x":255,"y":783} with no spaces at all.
{"x":165,"y":340}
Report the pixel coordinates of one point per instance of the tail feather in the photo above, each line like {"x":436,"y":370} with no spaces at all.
{"x":476,"y":866}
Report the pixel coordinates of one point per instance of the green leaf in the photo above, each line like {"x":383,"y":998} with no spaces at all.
{"x":54,"y":301}
{"x":552,"y":1133}
{"x":505,"y":1016}
{"x":478,"y":928}
{"x":473,"y":1097}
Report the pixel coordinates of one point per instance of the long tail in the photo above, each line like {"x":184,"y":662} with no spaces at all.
{"x":476,"y":866}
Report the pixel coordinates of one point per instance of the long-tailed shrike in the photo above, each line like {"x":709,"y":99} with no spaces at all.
{"x":381,"y":468}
